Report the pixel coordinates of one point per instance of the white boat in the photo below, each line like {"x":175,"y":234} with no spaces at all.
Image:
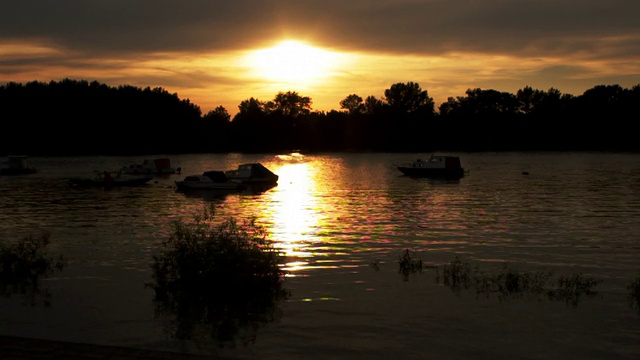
{"x":437,"y":166}
{"x":16,"y":165}
{"x":209,"y":180}
{"x":151,"y":166}
{"x":252,"y":173}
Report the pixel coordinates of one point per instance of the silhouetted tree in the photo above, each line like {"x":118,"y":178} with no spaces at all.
{"x":251,"y":107}
{"x":248,"y":126}
{"x":77,"y":117}
{"x":214,"y":130}
{"x":290,"y":103}
{"x":372,"y":105}
{"x":219,"y":114}
{"x":408,"y":98}
{"x":353,"y":103}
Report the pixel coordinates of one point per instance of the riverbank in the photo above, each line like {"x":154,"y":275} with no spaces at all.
{"x":18,"y":348}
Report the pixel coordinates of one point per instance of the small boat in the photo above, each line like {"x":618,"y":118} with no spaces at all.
{"x":16,"y":165}
{"x":109,"y":179}
{"x":209,"y":180}
{"x":252,"y":173}
{"x":438,"y":166}
{"x":159,"y":166}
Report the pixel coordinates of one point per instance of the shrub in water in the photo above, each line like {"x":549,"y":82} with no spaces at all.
{"x":24,"y":264}
{"x":218,"y":279}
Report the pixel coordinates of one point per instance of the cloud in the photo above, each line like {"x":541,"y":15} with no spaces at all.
{"x":415,"y":27}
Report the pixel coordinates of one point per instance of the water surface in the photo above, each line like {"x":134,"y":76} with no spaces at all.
{"x":334,"y":216}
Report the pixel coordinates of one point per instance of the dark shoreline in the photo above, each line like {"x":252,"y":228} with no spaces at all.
{"x":13,"y":347}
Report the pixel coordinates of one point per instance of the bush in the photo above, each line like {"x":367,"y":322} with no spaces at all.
{"x":24,"y":264}
{"x":218,"y":280}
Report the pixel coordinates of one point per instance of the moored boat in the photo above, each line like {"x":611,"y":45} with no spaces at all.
{"x":16,"y":165}
{"x":209,"y":180}
{"x":437,"y":166}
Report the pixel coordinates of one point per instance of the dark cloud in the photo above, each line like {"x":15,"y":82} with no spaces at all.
{"x":417,"y":27}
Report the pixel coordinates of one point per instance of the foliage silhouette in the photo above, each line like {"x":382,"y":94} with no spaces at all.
{"x":24,"y":264}
{"x":219,"y":282}
{"x":133,"y":121}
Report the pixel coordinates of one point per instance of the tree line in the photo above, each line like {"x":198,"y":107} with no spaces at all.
{"x":77,"y":117}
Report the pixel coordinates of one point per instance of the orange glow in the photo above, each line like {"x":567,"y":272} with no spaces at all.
{"x":294,"y":63}
{"x":19,"y":50}
{"x":227,"y":77}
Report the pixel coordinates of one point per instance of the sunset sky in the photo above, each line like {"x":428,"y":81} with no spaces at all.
{"x":219,"y":53}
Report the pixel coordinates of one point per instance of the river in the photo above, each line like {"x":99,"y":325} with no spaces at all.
{"x":342,"y":221}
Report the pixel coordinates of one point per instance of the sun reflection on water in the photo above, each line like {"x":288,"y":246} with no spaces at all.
{"x":296,"y":214}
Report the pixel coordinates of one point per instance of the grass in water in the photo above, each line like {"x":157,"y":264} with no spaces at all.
{"x":409,"y":263}
{"x":509,"y":282}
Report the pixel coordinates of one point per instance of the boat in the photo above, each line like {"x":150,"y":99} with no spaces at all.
{"x":160,"y":166}
{"x":209,"y":180}
{"x":252,"y":173}
{"x":110,"y":179}
{"x":16,"y":165}
{"x":437,"y":166}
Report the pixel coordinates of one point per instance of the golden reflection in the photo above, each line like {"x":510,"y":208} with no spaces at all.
{"x":295,"y":212}
{"x":293,"y":157}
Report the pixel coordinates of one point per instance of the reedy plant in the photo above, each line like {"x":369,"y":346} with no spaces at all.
{"x":511,"y":283}
{"x":409,"y":263}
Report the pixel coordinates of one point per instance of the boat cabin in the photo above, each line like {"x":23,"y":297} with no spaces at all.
{"x":439,"y":161}
{"x":441,"y":166}
{"x":252,"y":173}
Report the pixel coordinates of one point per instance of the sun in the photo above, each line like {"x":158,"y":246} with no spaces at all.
{"x":293,"y":62}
